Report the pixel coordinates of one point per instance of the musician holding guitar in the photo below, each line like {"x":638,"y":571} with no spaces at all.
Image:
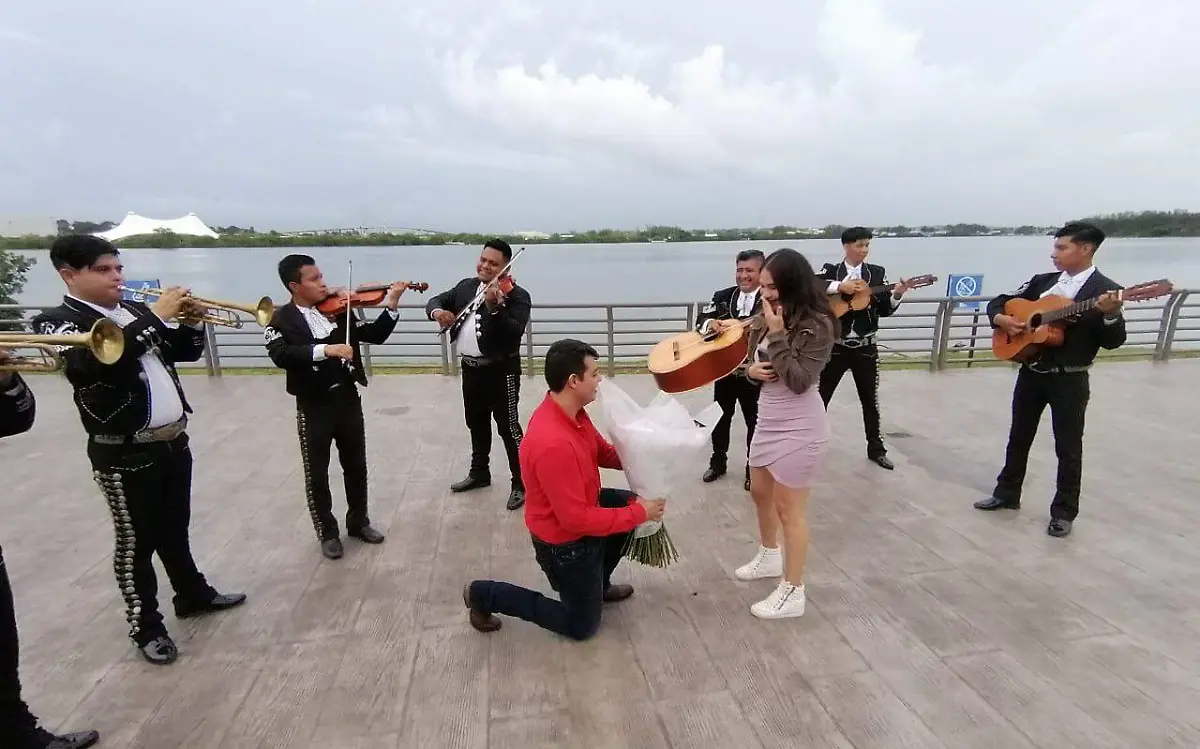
{"x":737,"y":302}
{"x":855,"y":349}
{"x":1057,"y":375}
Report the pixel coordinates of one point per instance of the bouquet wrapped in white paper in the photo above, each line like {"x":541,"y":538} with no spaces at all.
{"x":656,"y":443}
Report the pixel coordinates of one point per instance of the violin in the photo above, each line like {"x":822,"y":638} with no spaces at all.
{"x":367,"y":295}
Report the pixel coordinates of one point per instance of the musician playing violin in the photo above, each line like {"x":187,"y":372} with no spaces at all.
{"x":1059,"y":377}
{"x":488,"y":330}
{"x":323,"y":374}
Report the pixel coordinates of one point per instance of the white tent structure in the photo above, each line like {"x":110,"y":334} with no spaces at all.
{"x":133,"y":224}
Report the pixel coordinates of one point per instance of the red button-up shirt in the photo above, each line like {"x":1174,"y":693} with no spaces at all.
{"x":561,"y":459}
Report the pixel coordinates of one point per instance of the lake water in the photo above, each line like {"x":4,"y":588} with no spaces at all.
{"x":616,"y":273}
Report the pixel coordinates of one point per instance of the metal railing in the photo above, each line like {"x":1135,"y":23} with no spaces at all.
{"x":938,"y":332}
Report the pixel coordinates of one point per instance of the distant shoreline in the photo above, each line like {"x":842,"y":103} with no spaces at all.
{"x":1143,"y":225}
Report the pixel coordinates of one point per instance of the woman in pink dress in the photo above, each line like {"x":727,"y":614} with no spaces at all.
{"x":789,"y":344}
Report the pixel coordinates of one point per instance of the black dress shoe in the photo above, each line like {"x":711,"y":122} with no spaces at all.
{"x":160,"y":651}
{"x":712,"y":474}
{"x":1059,"y":527}
{"x":332,"y":549}
{"x":883,"y":461}
{"x":995,"y":503}
{"x":80,"y":740}
{"x":220,"y":602}
{"x":471,"y":482}
{"x":480,"y":619}
{"x":367,"y":534}
{"x":516,"y":498}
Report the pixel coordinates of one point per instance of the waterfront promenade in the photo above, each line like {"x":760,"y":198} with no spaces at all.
{"x":930,"y":624}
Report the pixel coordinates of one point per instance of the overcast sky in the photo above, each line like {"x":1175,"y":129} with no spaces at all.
{"x":505,"y":115}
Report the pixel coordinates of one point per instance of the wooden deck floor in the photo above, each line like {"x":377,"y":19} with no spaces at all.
{"x":930,"y":624}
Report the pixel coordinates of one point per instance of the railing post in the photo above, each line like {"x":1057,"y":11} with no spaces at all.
{"x":941,"y":334}
{"x":1169,"y":323}
{"x":212,"y":355}
{"x":529,"y":347}
{"x":612,"y":340}
{"x":444,"y":344}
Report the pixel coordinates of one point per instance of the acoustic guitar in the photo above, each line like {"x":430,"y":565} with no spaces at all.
{"x":860,"y":300}
{"x":1046,"y":319}
{"x":690,"y":360}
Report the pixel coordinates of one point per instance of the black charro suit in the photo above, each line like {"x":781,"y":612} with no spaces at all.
{"x":18,"y":725}
{"x":856,"y":350}
{"x":734,"y":389}
{"x":491,"y":381}
{"x":328,"y":410}
{"x":1058,"y":378}
{"x":143,"y":470}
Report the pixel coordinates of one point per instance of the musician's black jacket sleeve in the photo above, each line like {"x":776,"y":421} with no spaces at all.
{"x":508,"y":321}
{"x":17,"y":407}
{"x":716,"y":310}
{"x":883,"y":300}
{"x":182,"y":344}
{"x":378,"y":331}
{"x":1030,"y":290}
{"x":451,"y":299}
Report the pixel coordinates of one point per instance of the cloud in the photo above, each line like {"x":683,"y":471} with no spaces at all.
{"x":557,"y":115}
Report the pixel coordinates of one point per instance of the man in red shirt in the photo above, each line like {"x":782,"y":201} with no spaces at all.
{"x":579,"y":529}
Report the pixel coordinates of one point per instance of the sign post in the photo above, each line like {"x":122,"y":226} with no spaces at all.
{"x":967,"y":284}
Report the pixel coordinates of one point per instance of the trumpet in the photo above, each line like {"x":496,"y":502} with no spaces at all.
{"x":261,"y":312}
{"x":105,"y":340}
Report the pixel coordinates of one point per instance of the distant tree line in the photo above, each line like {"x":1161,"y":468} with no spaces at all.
{"x":1144,"y":224}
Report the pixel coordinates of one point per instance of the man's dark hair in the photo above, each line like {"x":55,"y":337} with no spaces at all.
{"x":855,"y":233}
{"x":79,"y":251}
{"x":1082,"y":232}
{"x":501,"y":245}
{"x":566,"y":357}
{"x":745,"y":255}
{"x":289,"y":268}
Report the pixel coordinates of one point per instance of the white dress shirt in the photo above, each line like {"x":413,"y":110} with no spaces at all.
{"x":165,"y":404}
{"x":745,"y":302}
{"x":854,"y":273}
{"x":321,"y":327}
{"x":468,"y":340}
{"x":1068,"y":285}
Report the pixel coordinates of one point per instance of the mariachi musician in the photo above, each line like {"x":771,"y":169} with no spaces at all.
{"x":855,"y":348}
{"x":135,"y":414}
{"x":487,"y":324}
{"x":323,"y":374}
{"x":18,"y":726}
{"x":736,"y":302}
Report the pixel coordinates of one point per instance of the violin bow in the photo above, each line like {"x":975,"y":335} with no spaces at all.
{"x":482,"y":291}
{"x":349,"y":312}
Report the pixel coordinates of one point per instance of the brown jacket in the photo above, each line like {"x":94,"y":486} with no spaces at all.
{"x":798,"y":354}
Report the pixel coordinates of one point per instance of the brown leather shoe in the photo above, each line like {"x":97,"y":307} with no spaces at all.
{"x":617,"y":592}
{"x":479,"y":620}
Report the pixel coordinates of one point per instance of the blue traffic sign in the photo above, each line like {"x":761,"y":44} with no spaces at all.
{"x":132,"y":292}
{"x":965,"y":284}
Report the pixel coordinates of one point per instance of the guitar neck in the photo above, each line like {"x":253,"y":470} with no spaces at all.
{"x":1071,"y":310}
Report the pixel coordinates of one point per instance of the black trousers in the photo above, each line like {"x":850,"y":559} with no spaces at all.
{"x":149,"y":492}
{"x":491,"y":392}
{"x":337,"y":419}
{"x":730,"y":392}
{"x":18,"y":726}
{"x":863,"y":365}
{"x":579,"y":571}
{"x":1067,"y":395}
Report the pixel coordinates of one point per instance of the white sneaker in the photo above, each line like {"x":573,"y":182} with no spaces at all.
{"x":767,"y":563}
{"x":786,"y":601}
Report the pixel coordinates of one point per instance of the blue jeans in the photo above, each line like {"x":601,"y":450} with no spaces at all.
{"x":579,"y":571}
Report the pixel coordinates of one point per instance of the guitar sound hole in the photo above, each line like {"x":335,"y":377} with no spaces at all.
{"x":1035,"y":320}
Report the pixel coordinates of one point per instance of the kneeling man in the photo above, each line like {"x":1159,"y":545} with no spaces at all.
{"x":579,"y":529}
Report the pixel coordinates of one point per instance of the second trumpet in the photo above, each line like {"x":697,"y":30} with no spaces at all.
{"x":221,"y":312}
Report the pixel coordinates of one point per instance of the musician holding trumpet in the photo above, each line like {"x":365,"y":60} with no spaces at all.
{"x":134,"y":411}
